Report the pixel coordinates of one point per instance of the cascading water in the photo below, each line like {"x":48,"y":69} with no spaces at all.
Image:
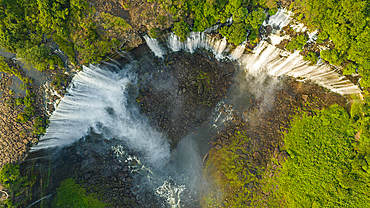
{"x":98,"y":100}
{"x":265,"y":59}
{"x":269,"y":60}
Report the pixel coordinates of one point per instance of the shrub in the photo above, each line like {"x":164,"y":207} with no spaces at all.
{"x":181,"y":29}
{"x":154,"y":33}
{"x":30,"y":111}
{"x":297,"y":43}
{"x":321,"y":37}
{"x":332,"y":56}
{"x":312,"y":57}
{"x":70,"y":194}
{"x":39,"y":125}
{"x":230,"y":171}
{"x":255,"y":19}
{"x":35,"y":56}
{"x":350,"y":68}
{"x":236,"y":33}
{"x":22,"y":118}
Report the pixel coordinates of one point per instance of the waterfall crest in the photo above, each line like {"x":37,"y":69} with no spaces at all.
{"x":265,"y":59}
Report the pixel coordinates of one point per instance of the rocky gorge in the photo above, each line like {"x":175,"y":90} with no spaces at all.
{"x":179,"y":95}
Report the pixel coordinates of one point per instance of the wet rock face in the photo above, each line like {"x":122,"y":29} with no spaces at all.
{"x":179,"y":93}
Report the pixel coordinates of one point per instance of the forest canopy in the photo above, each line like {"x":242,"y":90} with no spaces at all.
{"x":347,"y":24}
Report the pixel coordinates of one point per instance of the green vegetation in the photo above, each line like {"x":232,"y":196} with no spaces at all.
{"x":230,"y":171}
{"x":70,"y":194}
{"x":327,"y":167}
{"x":181,"y":29}
{"x":204,"y":86}
{"x":332,"y":56}
{"x":7,"y":67}
{"x":24,"y":26}
{"x":322,"y":37}
{"x":60,"y":80}
{"x":297,"y":43}
{"x":39,"y":125}
{"x":236,"y":33}
{"x":347,"y":24}
{"x":312,"y":57}
{"x":16,"y":184}
{"x":35,"y":56}
{"x":154,"y":33}
{"x":22,"y":118}
{"x":206,"y":13}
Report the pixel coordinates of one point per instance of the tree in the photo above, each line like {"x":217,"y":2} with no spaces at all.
{"x":34,"y":55}
{"x":181,"y":29}
{"x":236,"y":33}
{"x":255,"y":18}
{"x":297,"y":43}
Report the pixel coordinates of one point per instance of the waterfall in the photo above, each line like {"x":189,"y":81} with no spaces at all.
{"x":153,"y":44}
{"x":269,"y":60}
{"x":265,"y":59}
{"x":97,"y":100}
{"x":279,"y":20}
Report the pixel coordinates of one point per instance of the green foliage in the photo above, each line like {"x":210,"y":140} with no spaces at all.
{"x":271,"y":4}
{"x":332,"y":56}
{"x":347,"y":24}
{"x":273,"y":11}
{"x":35,"y":56}
{"x":312,"y":57}
{"x":236,"y":33}
{"x":18,"y":101}
{"x":6,"y":67}
{"x":154,"y":33}
{"x":22,"y":118}
{"x":55,"y":60}
{"x":10,"y":176}
{"x":324,"y":169}
{"x":350,"y":68}
{"x":297,"y":43}
{"x":59,"y":81}
{"x":181,"y":30}
{"x":29,"y":99}
{"x":322,"y":36}
{"x":65,"y":46}
{"x":206,"y":13}
{"x":240,"y":15}
{"x":30,"y":111}
{"x":16,"y":184}
{"x":70,"y":194}
{"x":255,"y":19}
{"x":113,"y":22}
{"x":231,"y":172}
{"x":39,"y":125}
